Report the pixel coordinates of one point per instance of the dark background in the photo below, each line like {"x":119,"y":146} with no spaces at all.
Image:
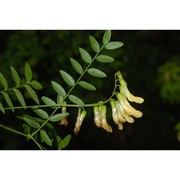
{"x":149,"y":62}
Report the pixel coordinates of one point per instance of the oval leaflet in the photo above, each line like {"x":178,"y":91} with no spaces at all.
{"x":105,"y":59}
{"x":76,"y":100}
{"x":87,"y":85}
{"x":96,"y":72}
{"x":67,"y":78}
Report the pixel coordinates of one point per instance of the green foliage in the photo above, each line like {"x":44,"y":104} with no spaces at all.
{"x":58,"y":88}
{"x":87,"y":85}
{"x":40,"y":128}
{"x":169,"y":80}
{"x":76,"y":100}
{"x":78,"y":68}
{"x":85,"y":55}
{"x":97,"y":73}
{"x":67,"y":78}
{"x":94,"y":44}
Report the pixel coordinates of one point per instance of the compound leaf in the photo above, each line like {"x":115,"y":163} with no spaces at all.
{"x":85,"y":55}
{"x":87,"y":85}
{"x":113,"y":45}
{"x":58,"y":88}
{"x":45,"y":137}
{"x":76,"y":100}
{"x":15,"y":76}
{"x":67,"y":78}
{"x":20,"y":98}
{"x":78,"y":68}
{"x":96,"y":72}
{"x":94,"y":44}
{"x":105,"y":59}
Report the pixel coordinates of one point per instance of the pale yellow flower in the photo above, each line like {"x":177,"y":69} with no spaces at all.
{"x":80,"y":118}
{"x":97,"y":117}
{"x":127,"y":107}
{"x":105,"y":125}
{"x":115,"y":116}
{"x":125,"y":91}
{"x":121,"y":118}
{"x":100,"y":118}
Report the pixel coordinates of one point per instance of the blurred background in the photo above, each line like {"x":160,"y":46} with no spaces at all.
{"x":149,"y":62}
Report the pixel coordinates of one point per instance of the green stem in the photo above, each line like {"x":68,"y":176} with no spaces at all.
{"x":13,"y":130}
{"x":36,"y":143}
{"x":15,"y":87}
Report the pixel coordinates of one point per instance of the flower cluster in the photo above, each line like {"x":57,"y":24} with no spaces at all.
{"x":122,"y":111}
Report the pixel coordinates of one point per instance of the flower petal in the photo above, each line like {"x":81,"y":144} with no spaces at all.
{"x":124,"y":90}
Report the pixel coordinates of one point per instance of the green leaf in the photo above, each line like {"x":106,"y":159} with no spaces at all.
{"x":106,"y":37}
{"x":20,"y":98}
{"x":2,"y":108}
{"x":94,"y":44}
{"x":78,"y":68}
{"x":105,"y":59}
{"x":85,"y":55}
{"x":15,"y":76}
{"x":32,"y":93}
{"x":41,"y":113}
{"x":30,"y":122}
{"x":64,"y":142}
{"x":58,"y":88}
{"x":28,"y":72}
{"x":3,"y":81}
{"x":27,"y":129}
{"x":48,"y":101}
{"x":96,"y":72}
{"x":59,"y":99}
{"x":45,"y":137}
{"x":76,"y":100}
{"x":67,"y":78}
{"x":113,"y":45}
{"x":39,"y":120}
{"x":87,"y":85}
{"x":36,"y":85}
{"x":59,"y":117}
{"x":8,"y":100}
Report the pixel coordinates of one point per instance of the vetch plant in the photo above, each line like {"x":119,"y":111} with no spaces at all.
{"x":40,"y":128}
